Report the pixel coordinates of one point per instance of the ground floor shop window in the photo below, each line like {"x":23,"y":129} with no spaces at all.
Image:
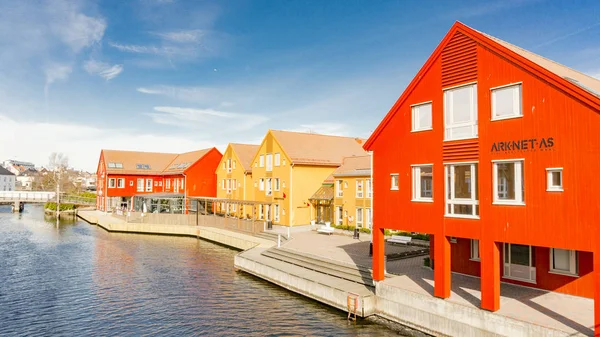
{"x":475,"y":250}
{"x":564,"y":261}
{"x":519,"y":262}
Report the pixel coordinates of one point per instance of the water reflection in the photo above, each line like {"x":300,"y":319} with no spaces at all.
{"x":80,"y":280}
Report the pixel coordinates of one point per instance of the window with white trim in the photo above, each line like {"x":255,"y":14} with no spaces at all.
{"x":359,"y":217}
{"x":269,"y":162}
{"x":508,"y":182}
{"x":564,"y":261}
{"x":260,"y":212}
{"x":369,"y":188}
{"x":276,"y":184}
{"x":112,"y":182}
{"x":148,"y":185}
{"x":176,"y":185}
{"x":277,"y":159}
{"x":229,"y":164}
{"x":506,"y":102}
{"x":168,"y":184}
{"x":131,"y":183}
{"x":460,"y":112}
{"x":228,"y":185}
{"x":121,"y":183}
{"x":422,"y":184}
{"x":261,"y":161}
{"x":269,"y":187}
{"x":394,"y":181}
{"x":339,"y":187}
{"x":234,"y":184}
{"x":421,"y":117}
{"x":276,"y":211}
{"x":223,"y":184}
{"x":140,"y":185}
{"x":462,"y":190}
{"x":261,"y":186}
{"x":554,"y":179}
{"x":474,"y":249}
{"x":233,"y":165}
{"x":233,"y":208}
{"x":369,"y":218}
{"x":359,"y":188}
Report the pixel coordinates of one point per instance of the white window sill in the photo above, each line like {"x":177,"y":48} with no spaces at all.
{"x":475,"y":260}
{"x":518,"y":279}
{"x":394,"y":189}
{"x":554,"y":190}
{"x":359,"y":196}
{"x":422,"y":200}
{"x":508,"y":203}
{"x":505,"y":118}
{"x":462,"y":216}
{"x":457,"y":139}
{"x":421,"y":130}
{"x":563,"y":273}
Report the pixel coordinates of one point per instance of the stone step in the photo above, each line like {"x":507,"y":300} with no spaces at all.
{"x":332,"y":268}
{"x":270,"y":236}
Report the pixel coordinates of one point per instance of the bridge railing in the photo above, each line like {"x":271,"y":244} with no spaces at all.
{"x":27,"y":196}
{"x":76,"y":199}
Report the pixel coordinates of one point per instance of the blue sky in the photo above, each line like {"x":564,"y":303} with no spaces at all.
{"x":174,"y":75}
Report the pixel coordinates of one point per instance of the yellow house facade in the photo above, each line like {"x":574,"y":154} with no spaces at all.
{"x":234,"y":178}
{"x":353,"y":193}
{"x":290,"y":166}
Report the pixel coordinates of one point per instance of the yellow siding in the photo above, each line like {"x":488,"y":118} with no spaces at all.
{"x":238,"y":190}
{"x":350,"y":202}
{"x":307,"y":180}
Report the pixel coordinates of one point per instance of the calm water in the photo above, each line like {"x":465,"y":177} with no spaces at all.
{"x":80,"y":280}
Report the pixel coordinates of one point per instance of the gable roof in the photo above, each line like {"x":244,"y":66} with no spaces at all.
{"x":5,"y":172}
{"x":354,"y":166}
{"x":157,"y":163}
{"x":316,"y":149}
{"x":582,"y":87}
{"x":245,"y":153}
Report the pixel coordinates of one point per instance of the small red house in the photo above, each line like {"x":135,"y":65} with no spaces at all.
{"x":125,"y":174}
{"x":494,"y":150}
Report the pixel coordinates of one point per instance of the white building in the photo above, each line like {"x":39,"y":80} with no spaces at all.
{"x":7,"y":180}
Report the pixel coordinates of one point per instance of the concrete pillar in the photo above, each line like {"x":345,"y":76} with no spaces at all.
{"x":441,"y":267}
{"x":16,"y":206}
{"x":378,"y":254}
{"x":489,"y":254}
{"x":597,"y":292}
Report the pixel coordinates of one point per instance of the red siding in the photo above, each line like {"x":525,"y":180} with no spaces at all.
{"x":130,"y":188}
{"x":201,"y":177}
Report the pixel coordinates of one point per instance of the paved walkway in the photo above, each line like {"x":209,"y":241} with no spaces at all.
{"x":571,"y":314}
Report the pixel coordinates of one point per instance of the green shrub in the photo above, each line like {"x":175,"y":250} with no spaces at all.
{"x":387,"y":232}
{"x":365,"y":230}
{"x":63,"y":207}
{"x":87,"y":195}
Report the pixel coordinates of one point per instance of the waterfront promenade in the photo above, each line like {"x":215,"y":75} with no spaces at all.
{"x":405,"y":296}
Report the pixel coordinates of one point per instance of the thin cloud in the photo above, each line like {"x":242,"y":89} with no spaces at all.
{"x":207,"y":119}
{"x":334,"y":129}
{"x":566,"y":36}
{"x":57,"y":72}
{"x":183,"y":36}
{"x":102,"y":69}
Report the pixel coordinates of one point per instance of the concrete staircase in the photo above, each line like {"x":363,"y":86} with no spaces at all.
{"x":333,"y":268}
{"x":272,"y":236}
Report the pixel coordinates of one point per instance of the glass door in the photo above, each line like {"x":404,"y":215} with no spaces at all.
{"x":519,"y":262}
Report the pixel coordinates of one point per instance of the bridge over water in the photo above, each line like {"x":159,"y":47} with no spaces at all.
{"x":17,"y":198}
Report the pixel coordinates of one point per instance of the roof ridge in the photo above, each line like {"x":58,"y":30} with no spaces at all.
{"x":318,"y":134}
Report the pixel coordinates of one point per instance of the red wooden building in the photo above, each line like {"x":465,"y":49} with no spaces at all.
{"x":493,"y":151}
{"x":125,"y":174}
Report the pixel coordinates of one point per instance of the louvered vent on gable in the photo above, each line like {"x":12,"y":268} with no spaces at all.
{"x":459,"y":61}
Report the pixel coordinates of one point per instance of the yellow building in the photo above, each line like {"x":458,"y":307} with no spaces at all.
{"x":290,"y":166}
{"x":353,"y":193}
{"x":234,"y":177}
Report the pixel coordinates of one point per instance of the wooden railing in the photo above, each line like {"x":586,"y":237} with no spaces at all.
{"x":216,"y":221}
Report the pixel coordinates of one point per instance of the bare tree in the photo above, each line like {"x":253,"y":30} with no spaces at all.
{"x":58,"y":165}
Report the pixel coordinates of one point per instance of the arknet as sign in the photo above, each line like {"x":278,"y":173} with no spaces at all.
{"x":544,"y":144}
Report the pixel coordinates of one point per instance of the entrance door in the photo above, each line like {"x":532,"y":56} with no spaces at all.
{"x":339,"y":215}
{"x":519,"y":262}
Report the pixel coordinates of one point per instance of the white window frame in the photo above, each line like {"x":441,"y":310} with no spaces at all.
{"x":475,"y":250}
{"x":261,"y":160}
{"x":229,"y":164}
{"x":369,"y":187}
{"x":519,"y":182}
{"x":339,"y":219}
{"x":268,"y":187}
{"x":223,"y":185}
{"x":360,"y":188}
{"x":573,"y":263}
{"x":261,"y":184}
{"x":550,"y":187}
{"x":277,"y":159}
{"x":175,"y":185}
{"x":140,"y":185}
{"x":112,"y":182}
{"x":234,"y":184}
{"x":416,"y":183}
{"x":276,"y":183}
{"x":233,"y":164}
{"x":276,"y":212}
{"x":517,"y":106}
{"x":369,"y":217}
{"x":148,"y":185}
{"x":473,"y":122}
{"x":260,"y":212}
{"x":359,"y":220}
{"x":396,"y":186}
{"x":121,"y":183}
{"x":339,"y":187}
{"x":452,"y":200}
{"x":416,"y":111}
{"x":168,"y":184}
{"x":269,"y":164}
{"x":131,"y":182}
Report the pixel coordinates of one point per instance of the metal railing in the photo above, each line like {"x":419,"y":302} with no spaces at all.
{"x":45,"y":197}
